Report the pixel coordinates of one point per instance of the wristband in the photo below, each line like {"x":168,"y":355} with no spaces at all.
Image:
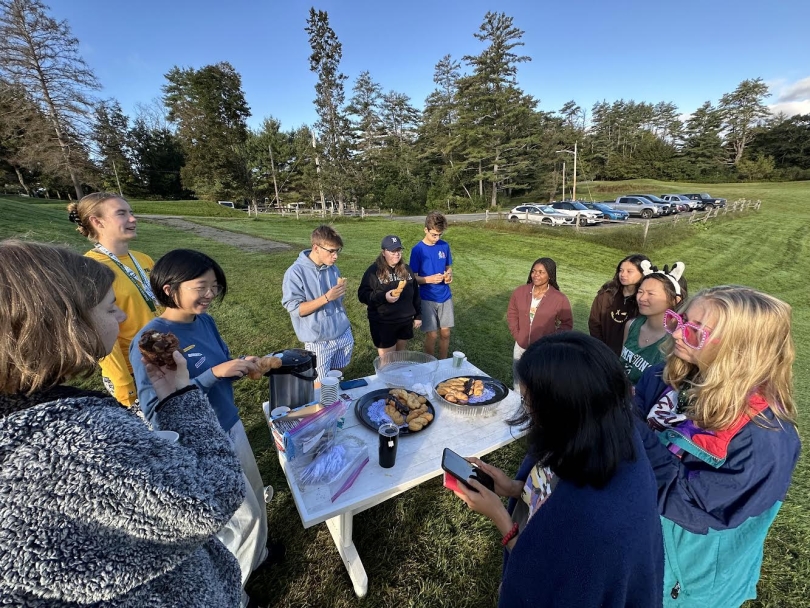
{"x":325,"y":297}
{"x":510,"y":535}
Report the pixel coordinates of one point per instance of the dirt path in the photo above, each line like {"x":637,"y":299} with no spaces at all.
{"x":252,"y":244}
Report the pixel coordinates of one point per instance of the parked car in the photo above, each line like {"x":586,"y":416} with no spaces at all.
{"x":706,"y":201}
{"x":667,"y":207}
{"x":637,"y":205}
{"x":680,"y":199}
{"x":610,"y":213}
{"x":573,"y":209}
{"x":539,"y":214}
{"x":226,"y":204}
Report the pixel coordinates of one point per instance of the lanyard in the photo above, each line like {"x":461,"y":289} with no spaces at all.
{"x":142,"y":284}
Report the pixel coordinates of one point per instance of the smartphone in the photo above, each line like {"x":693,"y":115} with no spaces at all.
{"x":350,"y":384}
{"x":463,"y":470}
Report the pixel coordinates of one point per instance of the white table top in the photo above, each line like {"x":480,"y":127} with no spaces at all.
{"x":418,"y":455}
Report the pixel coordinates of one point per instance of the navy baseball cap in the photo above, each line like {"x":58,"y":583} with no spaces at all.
{"x":391,"y":243}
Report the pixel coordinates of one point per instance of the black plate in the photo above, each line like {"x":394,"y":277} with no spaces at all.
{"x":501,"y":391}
{"x":363,"y":403}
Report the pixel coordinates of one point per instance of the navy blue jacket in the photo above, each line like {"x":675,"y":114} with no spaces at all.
{"x":716,"y":501}
{"x":586,"y":547}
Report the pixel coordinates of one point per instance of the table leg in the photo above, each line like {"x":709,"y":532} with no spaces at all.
{"x":340,"y":527}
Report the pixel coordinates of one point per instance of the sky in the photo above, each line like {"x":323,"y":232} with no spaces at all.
{"x":685,"y":52}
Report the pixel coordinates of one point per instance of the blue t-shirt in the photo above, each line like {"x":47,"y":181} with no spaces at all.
{"x":203,"y":348}
{"x":427,"y":260}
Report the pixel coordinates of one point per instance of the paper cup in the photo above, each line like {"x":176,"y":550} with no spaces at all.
{"x":335,"y":373}
{"x":279,"y":412}
{"x":458,"y":358}
{"x":329,"y":390}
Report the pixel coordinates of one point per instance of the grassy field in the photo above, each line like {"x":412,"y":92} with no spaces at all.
{"x":186,"y":208}
{"x":427,"y":531}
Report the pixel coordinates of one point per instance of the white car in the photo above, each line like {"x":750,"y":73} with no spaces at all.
{"x":574,"y":209}
{"x":539,"y":214}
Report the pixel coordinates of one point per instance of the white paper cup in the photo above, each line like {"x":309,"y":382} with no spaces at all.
{"x":329,"y":390}
{"x":169,"y":436}
{"x":458,"y":358}
{"x":335,"y":373}
{"x":279,"y":412}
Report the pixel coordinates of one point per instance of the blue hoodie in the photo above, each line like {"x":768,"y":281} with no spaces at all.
{"x":304,"y":281}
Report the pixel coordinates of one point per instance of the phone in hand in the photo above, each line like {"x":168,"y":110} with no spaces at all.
{"x":350,"y":384}
{"x":462,"y":470}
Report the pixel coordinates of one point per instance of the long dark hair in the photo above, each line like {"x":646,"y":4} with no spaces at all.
{"x":551,"y":268}
{"x":578,"y":407}
{"x":614,"y":285}
{"x":384,"y":270}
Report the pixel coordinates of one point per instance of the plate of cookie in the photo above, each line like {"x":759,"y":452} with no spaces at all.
{"x":470,"y":395}
{"x":411,"y":412}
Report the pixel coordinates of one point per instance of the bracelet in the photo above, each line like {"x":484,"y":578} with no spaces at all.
{"x":510,"y":535}
{"x":325,"y":297}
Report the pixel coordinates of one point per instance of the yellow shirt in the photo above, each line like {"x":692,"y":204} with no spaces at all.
{"x":116,"y":370}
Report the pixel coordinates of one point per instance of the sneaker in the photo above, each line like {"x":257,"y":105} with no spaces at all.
{"x":269,"y":492}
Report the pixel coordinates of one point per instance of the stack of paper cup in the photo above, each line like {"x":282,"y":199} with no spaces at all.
{"x":329,"y":390}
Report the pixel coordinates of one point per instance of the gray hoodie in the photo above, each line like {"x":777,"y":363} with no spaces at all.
{"x":304,"y":282}
{"x":97,"y":510}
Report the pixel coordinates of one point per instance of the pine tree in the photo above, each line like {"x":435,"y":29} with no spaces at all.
{"x":209,"y":109}
{"x":742,"y":110}
{"x":113,"y":148}
{"x":333,"y":125}
{"x":703,"y":147}
{"x":41,"y":55}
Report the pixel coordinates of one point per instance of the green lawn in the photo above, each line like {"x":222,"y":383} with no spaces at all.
{"x":427,"y":530}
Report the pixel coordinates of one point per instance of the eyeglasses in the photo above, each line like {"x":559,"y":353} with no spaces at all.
{"x":694,"y":336}
{"x":206,"y":291}
{"x":434,"y":234}
{"x":331,"y":251}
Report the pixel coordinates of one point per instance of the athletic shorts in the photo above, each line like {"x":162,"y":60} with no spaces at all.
{"x":385,"y":335}
{"x":332,"y":354}
{"x":436,"y":316}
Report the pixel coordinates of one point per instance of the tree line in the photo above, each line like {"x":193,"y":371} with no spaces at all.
{"x":479,"y":140}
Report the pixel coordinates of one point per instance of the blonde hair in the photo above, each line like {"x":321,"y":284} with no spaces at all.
{"x":47,"y":334}
{"x":90,"y":206}
{"x":754,"y":355}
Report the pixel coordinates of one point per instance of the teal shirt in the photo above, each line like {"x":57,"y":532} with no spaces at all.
{"x":635,"y":358}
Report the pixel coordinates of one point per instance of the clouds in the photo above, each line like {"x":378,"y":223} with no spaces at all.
{"x":791,"y":98}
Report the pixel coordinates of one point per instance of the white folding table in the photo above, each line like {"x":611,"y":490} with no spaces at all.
{"x":418,"y":460}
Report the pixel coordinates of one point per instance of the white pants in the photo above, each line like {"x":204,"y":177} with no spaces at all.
{"x":245,"y":535}
{"x":517,"y":353}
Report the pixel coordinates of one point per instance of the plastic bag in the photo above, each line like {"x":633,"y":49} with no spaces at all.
{"x":315,"y":433}
{"x":337,"y":466}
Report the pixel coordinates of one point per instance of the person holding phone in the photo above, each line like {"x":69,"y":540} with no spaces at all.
{"x":582,"y":525}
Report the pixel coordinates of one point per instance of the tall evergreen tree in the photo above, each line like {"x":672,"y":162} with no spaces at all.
{"x":113,"y":148}
{"x":742,"y":110}
{"x":333,"y":125}
{"x":209,"y":109}
{"x":494,"y":114}
{"x":42,"y":56}
{"x":703,"y":147}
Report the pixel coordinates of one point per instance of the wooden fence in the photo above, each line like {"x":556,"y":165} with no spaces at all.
{"x":311,"y":212}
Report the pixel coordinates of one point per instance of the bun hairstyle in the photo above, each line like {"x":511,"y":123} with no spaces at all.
{"x":90,"y":206}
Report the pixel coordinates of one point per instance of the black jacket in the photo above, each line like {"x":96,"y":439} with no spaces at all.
{"x":372,"y":293}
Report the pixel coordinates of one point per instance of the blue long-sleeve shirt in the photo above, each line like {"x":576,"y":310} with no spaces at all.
{"x":203,"y":348}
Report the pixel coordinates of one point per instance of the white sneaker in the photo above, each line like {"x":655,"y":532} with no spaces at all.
{"x":269,"y":492}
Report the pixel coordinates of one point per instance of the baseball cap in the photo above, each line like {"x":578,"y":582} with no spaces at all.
{"x":391,"y":243}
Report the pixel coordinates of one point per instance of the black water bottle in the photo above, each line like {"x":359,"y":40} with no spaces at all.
{"x":389,"y":435}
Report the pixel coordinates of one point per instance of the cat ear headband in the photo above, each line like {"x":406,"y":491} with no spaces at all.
{"x":673,"y":274}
